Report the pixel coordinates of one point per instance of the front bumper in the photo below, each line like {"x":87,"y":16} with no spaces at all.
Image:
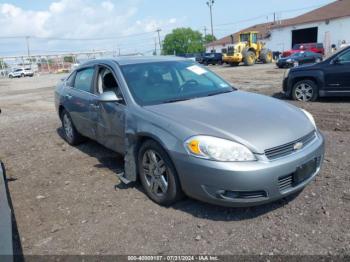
{"x":245,"y":184}
{"x":236,"y":58}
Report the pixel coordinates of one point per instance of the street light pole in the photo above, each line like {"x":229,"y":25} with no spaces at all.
{"x":210,"y":3}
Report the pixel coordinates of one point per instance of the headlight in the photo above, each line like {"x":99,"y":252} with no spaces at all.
{"x":310,"y":117}
{"x":218,"y":149}
{"x":289,"y":60}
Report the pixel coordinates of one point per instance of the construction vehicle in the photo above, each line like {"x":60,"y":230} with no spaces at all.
{"x":248,"y":50}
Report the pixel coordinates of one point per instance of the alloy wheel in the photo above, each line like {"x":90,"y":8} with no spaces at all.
{"x":155,"y":172}
{"x":304,"y":92}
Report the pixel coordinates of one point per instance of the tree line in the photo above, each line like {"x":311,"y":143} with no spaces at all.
{"x":185,"y":41}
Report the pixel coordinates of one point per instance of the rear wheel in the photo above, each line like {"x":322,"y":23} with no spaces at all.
{"x":22,"y":75}
{"x":249,"y":58}
{"x":305,"y":91}
{"x":71,"y":135}
{"x":158,"y":175}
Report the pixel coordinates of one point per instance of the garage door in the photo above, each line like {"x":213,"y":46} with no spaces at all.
{"x":302,"y":36}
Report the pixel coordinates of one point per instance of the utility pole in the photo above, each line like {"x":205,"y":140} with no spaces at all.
{"x":28,"y":50}
{"x":160,"y":44}
{"x":274,"y":17}
{"x":205,"y":31}
{"x":155,"y":46}
{"x":210,"y":4}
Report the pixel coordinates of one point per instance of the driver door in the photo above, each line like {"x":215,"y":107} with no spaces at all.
{"x":109,"y":116}
{"x":337,"y":75}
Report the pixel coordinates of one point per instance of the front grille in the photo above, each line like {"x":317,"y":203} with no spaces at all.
{"x":285,"y":182}
{"x":286,"y":149}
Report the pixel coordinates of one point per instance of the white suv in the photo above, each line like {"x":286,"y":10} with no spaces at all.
{"x":21,"y":72}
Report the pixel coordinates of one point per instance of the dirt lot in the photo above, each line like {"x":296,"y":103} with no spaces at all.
{"x":65,"y":199}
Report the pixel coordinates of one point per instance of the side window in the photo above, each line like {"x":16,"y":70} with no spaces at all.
{"x":106,"y":82}
{"x":70,"y":79}
{"x":345,"y":58}
{"x":83,"y":79}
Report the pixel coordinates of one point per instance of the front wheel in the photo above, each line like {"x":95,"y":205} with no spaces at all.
{"x":158,"y":175}
{"x":305,"y":91}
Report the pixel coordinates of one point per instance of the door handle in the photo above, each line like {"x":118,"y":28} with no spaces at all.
{"x":69,"y":96}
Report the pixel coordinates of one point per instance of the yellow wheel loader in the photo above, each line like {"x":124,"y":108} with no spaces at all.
{"x":248,"y":50}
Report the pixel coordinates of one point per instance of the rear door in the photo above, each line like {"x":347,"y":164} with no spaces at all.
{"x":79,"y":100}
{"x":337,"y":75}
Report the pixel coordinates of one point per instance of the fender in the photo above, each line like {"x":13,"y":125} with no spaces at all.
{"x":316,"y":75}
{"x":134,"y":136}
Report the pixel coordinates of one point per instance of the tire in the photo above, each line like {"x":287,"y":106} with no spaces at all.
{"x":266,"y":56}
{"x":22,"y":75}
{"x":71,"y":135}
{"x":220,"y":63}
{"x":158,"y":175}
{"x":249,"y":58}
{"x":305,"y":91}
{"x":11,"y":76}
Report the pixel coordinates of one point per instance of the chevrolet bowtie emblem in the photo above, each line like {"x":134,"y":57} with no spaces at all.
{"x":298,"y":146}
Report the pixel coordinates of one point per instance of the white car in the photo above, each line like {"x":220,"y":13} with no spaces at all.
{"x":21,"y":72}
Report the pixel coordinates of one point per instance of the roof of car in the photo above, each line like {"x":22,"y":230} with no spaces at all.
{"x":129,"y":60}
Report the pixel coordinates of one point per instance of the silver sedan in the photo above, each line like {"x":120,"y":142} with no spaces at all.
{"x":185,"y":131}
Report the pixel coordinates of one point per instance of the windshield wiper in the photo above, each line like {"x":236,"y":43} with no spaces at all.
{"x":175,"y":100}
{"x":220,"y":92}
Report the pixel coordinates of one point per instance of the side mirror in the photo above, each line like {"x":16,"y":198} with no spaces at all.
{"x":109,"y":96}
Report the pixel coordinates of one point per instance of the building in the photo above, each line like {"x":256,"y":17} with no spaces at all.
{"x":329,"y":25}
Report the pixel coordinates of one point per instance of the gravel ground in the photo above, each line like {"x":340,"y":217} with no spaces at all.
{"x":66,"y":202}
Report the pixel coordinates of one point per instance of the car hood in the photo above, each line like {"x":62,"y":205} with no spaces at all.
{"x":257,"y":121}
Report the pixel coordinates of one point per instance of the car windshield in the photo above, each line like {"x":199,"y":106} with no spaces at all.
{"x":166,"y":82}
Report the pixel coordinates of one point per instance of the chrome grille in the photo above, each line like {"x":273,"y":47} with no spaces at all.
{"x":286,"y":149}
